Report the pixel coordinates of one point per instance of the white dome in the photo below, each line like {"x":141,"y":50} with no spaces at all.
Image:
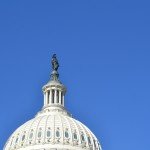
{"x":53,"y":128}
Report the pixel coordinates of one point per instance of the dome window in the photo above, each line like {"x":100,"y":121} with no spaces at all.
{"x":17,"y":139}
{"x":82,"y":138}
{"x":75,"y":136}
{"x":39,"y":134}
{"x":57,"y":134}
{"x":89,"y":140}
{"x":95,"y":143}
{"x":23,"y":137}
{"x":31,"y":135}
{"x":48,"y":133}
{"x":66,"y":134}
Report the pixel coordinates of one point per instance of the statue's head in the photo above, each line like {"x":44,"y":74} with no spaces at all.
{"x":54,"y":56}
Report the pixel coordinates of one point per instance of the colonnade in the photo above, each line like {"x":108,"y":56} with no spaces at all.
{"x":53,"y":96}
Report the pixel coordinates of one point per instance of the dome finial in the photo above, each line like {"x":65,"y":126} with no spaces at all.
{"x":55,"y":66}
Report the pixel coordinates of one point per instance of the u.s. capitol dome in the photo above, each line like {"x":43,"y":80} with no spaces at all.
{"x":53,"y":128}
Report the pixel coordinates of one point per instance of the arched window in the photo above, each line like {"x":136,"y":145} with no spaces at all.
{"x":31,"y":135}
{"x":57,"y":133}
{"x":23,"y":137}
{"x":39,"y":134}
{"x":82,"y":138}
{"x":95,"y":143}
{"x":66,"y":134}
{"x":75,"y":136}
{"x":48,"y":133}
{"x":89,"y":140}
{"x":16,"y":140}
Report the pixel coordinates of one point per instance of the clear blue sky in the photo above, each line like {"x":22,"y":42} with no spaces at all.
{"x":104,"y":51}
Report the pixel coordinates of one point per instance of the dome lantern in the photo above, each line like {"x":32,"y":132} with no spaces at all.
{"x":54,"y":91}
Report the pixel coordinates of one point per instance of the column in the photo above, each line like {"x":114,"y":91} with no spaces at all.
{"x":53,"y":94}
{"x":46,"y":97}
{"x":50,"y":97}
{"x":63,"y":99}
{"x":55,"y":97}
{"x":59,"y":97}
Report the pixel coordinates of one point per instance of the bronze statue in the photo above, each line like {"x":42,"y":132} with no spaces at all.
{"x":54,"y":62}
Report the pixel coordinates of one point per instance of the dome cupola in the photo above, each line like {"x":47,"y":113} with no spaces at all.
{"x":54,"y":91}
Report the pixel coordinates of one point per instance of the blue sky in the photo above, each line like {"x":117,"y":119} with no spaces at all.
{"x":104,"y":53}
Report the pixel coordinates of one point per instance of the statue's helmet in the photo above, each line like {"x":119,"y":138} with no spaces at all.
{"x":54,"y":56}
